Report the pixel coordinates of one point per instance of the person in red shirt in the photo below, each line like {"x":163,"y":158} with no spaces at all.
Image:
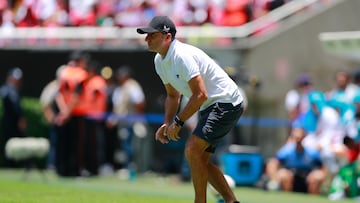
{"x":93,"y":105}
{"x":353,"y":149}
{"x":70,"y":118}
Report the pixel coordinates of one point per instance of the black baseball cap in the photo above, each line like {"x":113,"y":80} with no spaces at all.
{"x":159,"y":24}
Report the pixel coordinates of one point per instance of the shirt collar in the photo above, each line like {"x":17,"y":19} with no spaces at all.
{"x":171,"y":50}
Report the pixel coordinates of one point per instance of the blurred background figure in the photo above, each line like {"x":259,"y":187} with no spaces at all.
{"x":13,"y":122}
{"x":325,"y":132}
{"x":296,"y":167}
{"x":70,"y":120}
{"x":128,"y":100}
{"x":296,"y":99}
{"x":94,"y":104}
{"x":345,"y":183}
{"x":344,"y":88}
{"x":110,"y":133}
{"x":50,"y":110}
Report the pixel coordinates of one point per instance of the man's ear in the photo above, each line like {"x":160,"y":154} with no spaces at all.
{"x":168,"y":36}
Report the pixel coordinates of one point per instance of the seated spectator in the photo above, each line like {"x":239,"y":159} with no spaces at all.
{"x":353,"y":147}
{"x":325,"y":131}
{"x":296,"y":167}
{"x":345,"y":183}
{"x":297,"y":98}
{"x":82,"y":13}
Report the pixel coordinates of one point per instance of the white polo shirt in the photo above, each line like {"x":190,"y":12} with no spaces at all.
{"x":183,"y":62}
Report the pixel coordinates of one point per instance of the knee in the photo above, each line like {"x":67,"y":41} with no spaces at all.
{"x":285,"y":176}
{"x":191,"y":153}
{"x":195,"y":148}
{"x":316,"y":177}
{"x":286,"y":179}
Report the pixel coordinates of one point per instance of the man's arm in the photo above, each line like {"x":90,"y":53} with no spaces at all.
{"x":172,"y":103}
{"x":171,"y":106}
{"x":198,"y":97}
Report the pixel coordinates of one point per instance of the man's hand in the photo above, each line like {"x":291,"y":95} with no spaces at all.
{"x":173,"y":132}
{"x":160,"y":134}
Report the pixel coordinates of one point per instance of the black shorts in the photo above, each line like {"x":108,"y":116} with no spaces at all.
{"x":216,"y":121}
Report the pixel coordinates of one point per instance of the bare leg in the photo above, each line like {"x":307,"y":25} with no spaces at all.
{"x":286,"y":179}
{"x":217,"y":180}
{"x":315,"y":180}
{"x":203,"y":171}
{"x":198,"y":160}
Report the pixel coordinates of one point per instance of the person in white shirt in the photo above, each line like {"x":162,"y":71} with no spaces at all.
{"x":189,"y":71}
{"x":128,"y":100}
{"x":296,"y":99}
{"x":327,"y":132}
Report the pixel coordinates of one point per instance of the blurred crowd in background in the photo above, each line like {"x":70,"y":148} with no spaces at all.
{"x":322,"y":151}
{"x":86,"y":112}
{"x":122,"y":13}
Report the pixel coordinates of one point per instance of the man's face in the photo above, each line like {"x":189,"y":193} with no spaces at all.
{"x":342,"y":80}
{"x":298,"y":134}
{"x":155,"y":41}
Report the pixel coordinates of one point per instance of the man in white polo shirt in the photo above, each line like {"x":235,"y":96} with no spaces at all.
{"x":187,"y":70}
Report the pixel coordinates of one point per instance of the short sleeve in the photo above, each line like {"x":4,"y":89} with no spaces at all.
{"x":292,"y":99}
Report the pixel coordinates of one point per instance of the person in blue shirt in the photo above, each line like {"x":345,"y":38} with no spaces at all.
{"x":295,"y":167}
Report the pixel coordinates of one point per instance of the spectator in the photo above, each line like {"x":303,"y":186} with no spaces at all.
{"x":235,"y":13}
{"x":94,"y":99}
{"x":353,"y":149}
{"x":296,"y":99}
{"x":82,"y":12}
{"x":344,"y":89}
{"x":71,"y":114}
{"x":6,"y":15}
{"x":347,"y":113}
{"x":45,"y":10}
{"x":13,"y":122}
{"x":110,"y":132}
{"x":345,"y":183}
{"x":128,"y":100}
{"x":325,"y":131}
{"x":25,"y":15}
{"x":296,"y":167}
{"x":105,"y":11}
{"x":30,"y":13}
{"x":50,"y":110}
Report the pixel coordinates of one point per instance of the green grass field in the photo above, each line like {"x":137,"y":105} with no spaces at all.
{"x":148,"y":188}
